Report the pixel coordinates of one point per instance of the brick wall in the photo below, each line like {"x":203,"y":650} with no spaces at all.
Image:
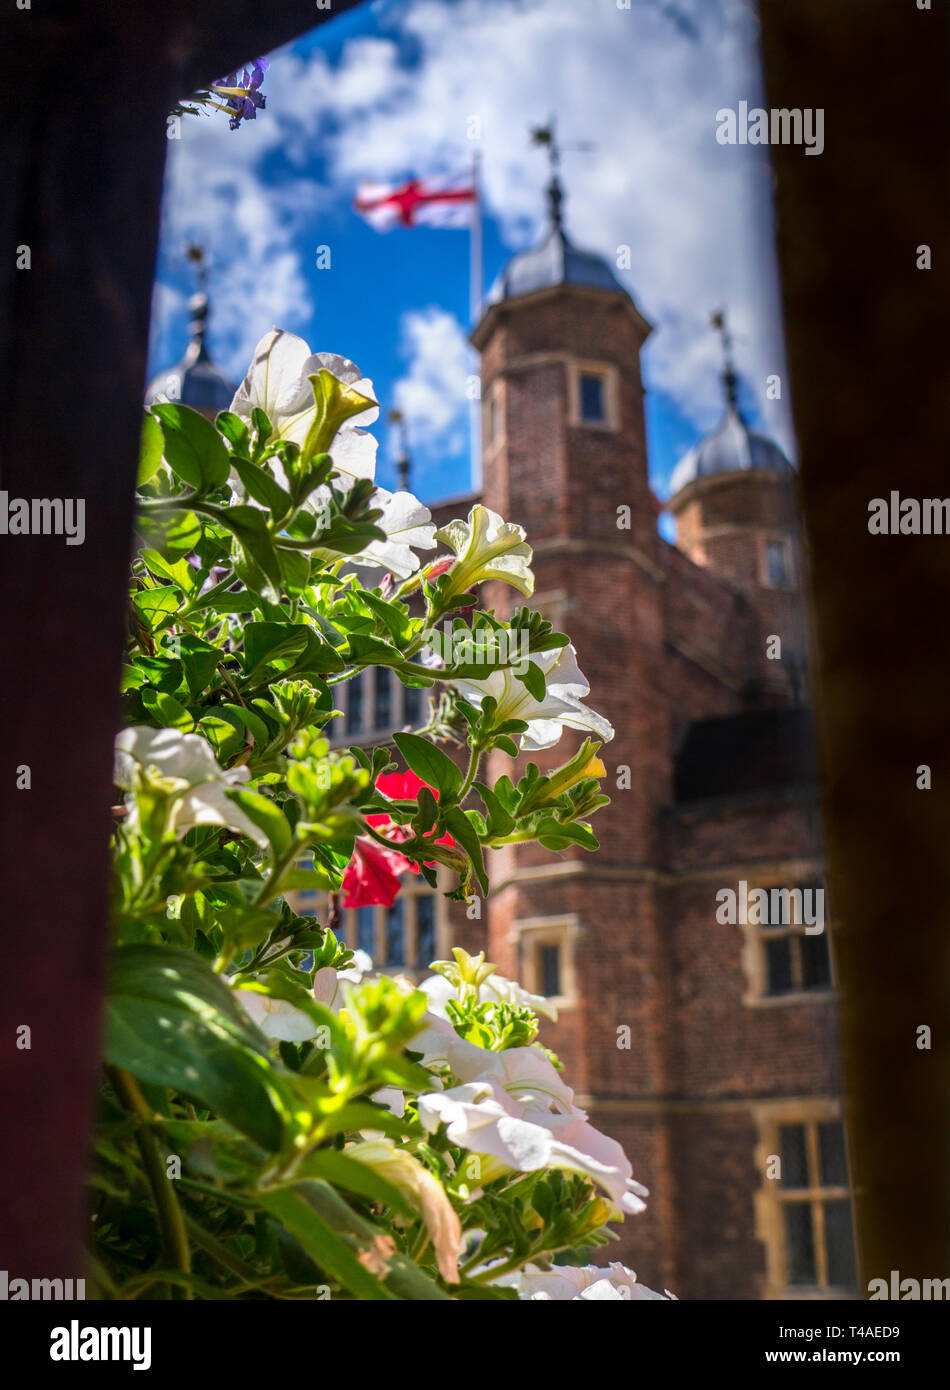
{"x":663,"y":641}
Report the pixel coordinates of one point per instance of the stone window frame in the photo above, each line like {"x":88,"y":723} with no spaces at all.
{"x":562,"y":930}
{"x":607,"y":371}
{"x":367,"y":730}
{"x":754,"y":960}
{"x":771,"y":1199}
{"x":791,"y":569}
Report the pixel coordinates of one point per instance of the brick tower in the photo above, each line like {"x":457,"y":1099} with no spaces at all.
{"x":734,"y":501}
{"x":564,"y":454}
{"x":707,"y":1050}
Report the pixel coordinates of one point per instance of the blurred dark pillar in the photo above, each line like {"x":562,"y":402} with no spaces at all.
{"x":86,"y":88}
{"x":868,"y":355}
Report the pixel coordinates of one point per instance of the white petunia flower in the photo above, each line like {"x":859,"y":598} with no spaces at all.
{"x":277,"y":1018}
{"x":277,"y":382}
{"x":404,"y":519}
{"x":496,"y":987}
{"x":526,"y":1074}
{"x":407,"y":524}
{"x":564,"y":1283}
{"x":484,"y":1119}
{"x":488,"y":547}
{"x":546,"y":719}
{"x":192,"y":776}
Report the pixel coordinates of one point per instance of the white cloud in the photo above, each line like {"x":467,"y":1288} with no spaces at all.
{"x":168,"y":314}
{"x":252,"y":230}
{"x":643,"y":86}
{"x":432,"y":394}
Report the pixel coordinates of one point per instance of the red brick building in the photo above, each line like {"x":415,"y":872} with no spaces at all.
{"x":708,"y":1050}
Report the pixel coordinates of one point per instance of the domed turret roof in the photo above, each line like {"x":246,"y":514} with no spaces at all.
{"x":731,"y":448}
{"x":556,"y":261}
{"x":195,"y":380}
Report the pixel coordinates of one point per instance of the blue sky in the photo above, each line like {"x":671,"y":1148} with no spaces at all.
{"x":390,"y":90}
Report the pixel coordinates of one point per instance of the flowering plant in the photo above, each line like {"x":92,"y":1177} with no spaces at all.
{"x":277,"y":1119}
{"x":238,"y":95}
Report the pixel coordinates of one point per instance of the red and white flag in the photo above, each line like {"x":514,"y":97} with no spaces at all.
{"x":418,"y":203}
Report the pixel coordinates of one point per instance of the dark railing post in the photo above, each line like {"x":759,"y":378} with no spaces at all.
{"x":870,"y":386}
{"x":82,"y":144}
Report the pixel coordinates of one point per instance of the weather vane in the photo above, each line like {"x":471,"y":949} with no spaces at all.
{"x":546,"y":136}
{"x":398,"y":421}
{"x":729,"y":378}
{"x":195,"y":253}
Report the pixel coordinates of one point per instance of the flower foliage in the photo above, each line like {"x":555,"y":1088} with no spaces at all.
{"x":238,"y":95}
{"x":277,"y":1119}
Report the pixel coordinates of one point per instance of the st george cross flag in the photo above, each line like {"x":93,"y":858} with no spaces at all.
{"x":418,"y":203}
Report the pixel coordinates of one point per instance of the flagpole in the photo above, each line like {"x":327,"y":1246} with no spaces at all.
{"x":475,"y":244}
{"x":475,"y":308}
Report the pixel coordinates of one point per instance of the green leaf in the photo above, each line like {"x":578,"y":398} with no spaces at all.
{"x":160,"y":672}
{"x":261,"y":486}
{"x":463,"y":832}
{"x":429,"y":763}
{"x":364,"y":647}
{"x":200,"y":662}
{"x":265,"y":815}
{"x":170,"y":1020}
{"x":249,"y":527}
{"x":166,"y":710}
{"x":295,"y":569}
{"x":362,"y":1115}
{"x":468,"y":1293}
{"x":553,"y":834}
{"x":318,"y":658}
{"x":261,"y":424}
{"x":225,"y":732}
{"x":267,"y":642}
{"x":179,"y":534}
{"x":178,"y":571}
{"x":507,"y":745}
{"x":250,"y":721}
{"x":499,"y":820}
{"x":193,"y":448}
{"x":341,"y":1171}
{"x":307,"y":880}
{"x":410,"y":1282}
{"x":241,"y":602}
{"x":234,"y":429}
{"x":394,"y":615}
{"x":533,"y":681}
{"x":427,"y":814}
{"x":155,"y":604}
{"x":150,"y":449}
{"x":333,"y":1252}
